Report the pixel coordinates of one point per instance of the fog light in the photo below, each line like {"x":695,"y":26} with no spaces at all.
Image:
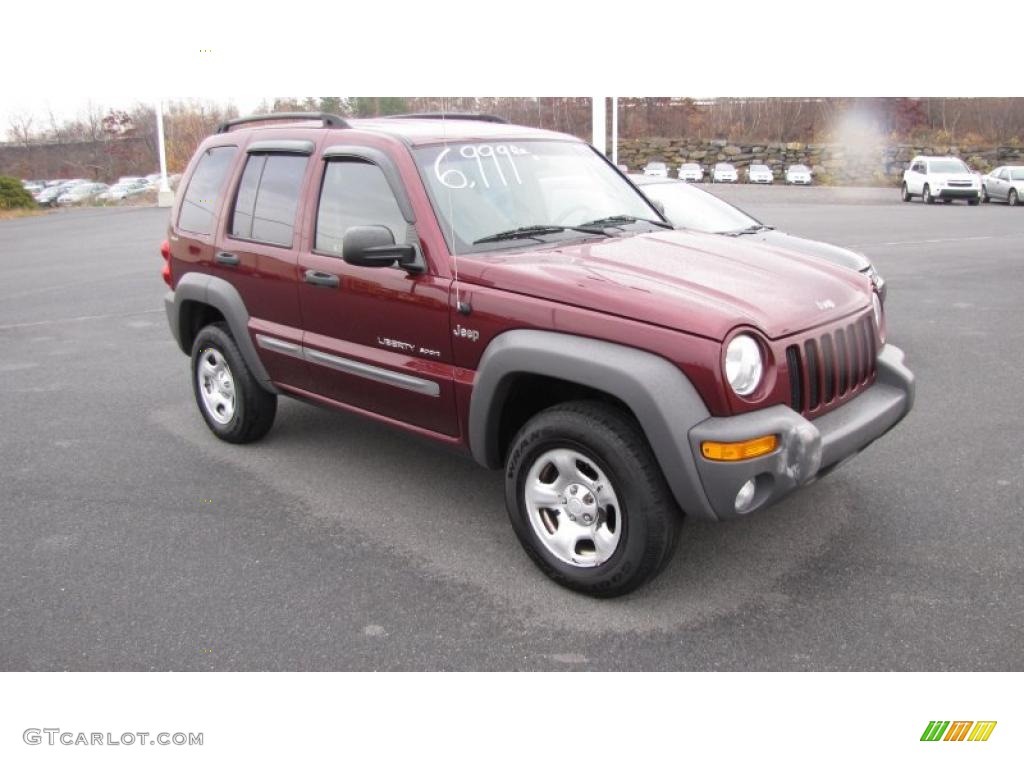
{"x":745,"y":496}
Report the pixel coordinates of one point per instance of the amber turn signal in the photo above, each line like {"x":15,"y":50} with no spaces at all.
{"x":748,"y":449}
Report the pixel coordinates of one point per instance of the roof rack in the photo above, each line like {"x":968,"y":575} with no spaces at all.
{"x":450,"y":116}
{"x":329,"y":121}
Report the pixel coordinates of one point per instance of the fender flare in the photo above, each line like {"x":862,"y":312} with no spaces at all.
{"x":661,"y":397}
{"x":224,"y":297}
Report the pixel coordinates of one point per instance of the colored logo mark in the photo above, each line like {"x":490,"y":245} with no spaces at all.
{"x":958,"y":730}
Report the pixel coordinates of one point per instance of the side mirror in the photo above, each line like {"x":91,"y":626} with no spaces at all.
{"x":374,"y":246}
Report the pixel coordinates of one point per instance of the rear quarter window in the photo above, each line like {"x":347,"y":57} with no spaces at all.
{"x":202,"y":196}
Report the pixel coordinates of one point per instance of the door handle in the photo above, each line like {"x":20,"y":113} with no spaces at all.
{"x":227,"y":259}
{"x":325,"y":279}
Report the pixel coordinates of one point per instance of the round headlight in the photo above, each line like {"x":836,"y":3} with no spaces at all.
{"x":876,"y":305}
{"x":743,"y":365}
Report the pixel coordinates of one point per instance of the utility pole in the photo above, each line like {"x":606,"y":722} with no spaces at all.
{"x":165,"y":197}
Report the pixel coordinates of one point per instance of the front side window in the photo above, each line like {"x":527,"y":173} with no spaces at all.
{"x":1017,"y":174}
{"x":267,"y":198}
{"x":355,"y":193}
{"x":200,"y":203}
{"x":481,"y":189}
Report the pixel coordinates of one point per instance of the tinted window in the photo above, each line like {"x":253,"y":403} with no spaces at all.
{"x":267,"y":198}
{"x":946,"y":166}
{"x":199,"y":205}
{"x":354,"y":194}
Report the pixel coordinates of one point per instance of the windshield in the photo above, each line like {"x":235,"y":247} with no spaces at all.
{"x":759,"y":168}
{"x":1017,"y":174}
{"x":690,"y":167}
{"x":798,"y":168}
{"x":481,"y":189}
{"x":723,"y":167}
{"x":695,"y":209}
{"x":947,"y":166}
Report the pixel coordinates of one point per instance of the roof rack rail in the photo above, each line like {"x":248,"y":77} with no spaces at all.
{"x":329,"y":121}
{"x":450,"y":116}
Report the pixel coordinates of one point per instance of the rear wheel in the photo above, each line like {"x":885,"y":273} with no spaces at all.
{"x":984,"y":194}
{"x":926,"y":195}
{"x":588,"y":501}
{"x":233,"y":404}
{"x":1012,"y":198}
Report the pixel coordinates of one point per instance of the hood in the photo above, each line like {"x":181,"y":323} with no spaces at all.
{"x":693,"y":282}
{"x":945,"y":178}
{"x":844,"y":257}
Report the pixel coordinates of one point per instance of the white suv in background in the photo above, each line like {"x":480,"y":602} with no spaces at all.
{"x":940,"y":178}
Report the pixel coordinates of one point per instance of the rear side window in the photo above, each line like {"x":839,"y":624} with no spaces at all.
{"x":355,"y":193}
{"x":268,"y":196}
{"x":199,"y":206}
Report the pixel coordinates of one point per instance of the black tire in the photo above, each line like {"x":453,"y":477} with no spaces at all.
{"x":615,"y":444}
{"x":905,"y":195}
{"x":926,"y":195}
{"x":1012,"y":198}
{"x":984,"y":195}
{"x":254,"y":407}
{"x":974,"y":201}
{"x":948,"y":201}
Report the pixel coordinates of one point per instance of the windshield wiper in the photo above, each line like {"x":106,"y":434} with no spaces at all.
{"x":623,"y":219}
{"x":534,"y":230}
{"x":751,"y":230}
{"x":521,"y":232}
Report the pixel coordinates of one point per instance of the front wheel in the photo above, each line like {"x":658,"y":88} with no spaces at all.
{"x":233,"y":404}
{"x":926,"y":195}
{"x":984,"y":195}
{"x":588,"y":501}
{"x":905,"y":195}
{"x":1012,"y":198}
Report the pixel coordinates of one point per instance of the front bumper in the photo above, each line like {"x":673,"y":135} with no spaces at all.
{"x":958,"y":193}
{"x":807,"y":449}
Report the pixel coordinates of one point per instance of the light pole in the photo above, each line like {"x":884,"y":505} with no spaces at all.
{"x":165,"y":197}
{"x":615,"y":130}
{"x":599,"y":111}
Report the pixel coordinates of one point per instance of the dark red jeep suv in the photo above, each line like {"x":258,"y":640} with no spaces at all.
{"x":509,"y":292}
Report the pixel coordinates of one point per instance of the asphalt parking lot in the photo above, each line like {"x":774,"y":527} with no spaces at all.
{"x":132,"y":539}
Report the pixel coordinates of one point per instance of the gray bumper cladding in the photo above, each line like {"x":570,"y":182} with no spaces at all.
{"x":806,"y":449}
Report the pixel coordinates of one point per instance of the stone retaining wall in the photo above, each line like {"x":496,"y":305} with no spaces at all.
{"x":831,"y":163}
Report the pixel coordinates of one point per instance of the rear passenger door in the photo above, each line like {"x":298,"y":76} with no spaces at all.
{"x":376,"y":338}
{"x":258,"y":251}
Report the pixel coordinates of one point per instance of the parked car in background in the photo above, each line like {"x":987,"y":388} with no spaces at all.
{"x":689,"y":207}
{"x":1005,"y":184}
{"x":120,"y":191}
{"x":131,"y":180}
{"x":724,"y":173}
{"x":940,"y":178}
{"x":798,"y":174}
{"x":48,"y":196}
{"x":691,"y":172}
{"x":33,"y":186}
{"x":82,"y":193}
{"x":760,"y":174}
{"x":656,"y":168}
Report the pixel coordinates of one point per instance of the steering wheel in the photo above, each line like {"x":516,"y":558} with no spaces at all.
{"x":568,"y":214}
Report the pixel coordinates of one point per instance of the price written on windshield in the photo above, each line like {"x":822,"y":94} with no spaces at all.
{"x":494,"y":163}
